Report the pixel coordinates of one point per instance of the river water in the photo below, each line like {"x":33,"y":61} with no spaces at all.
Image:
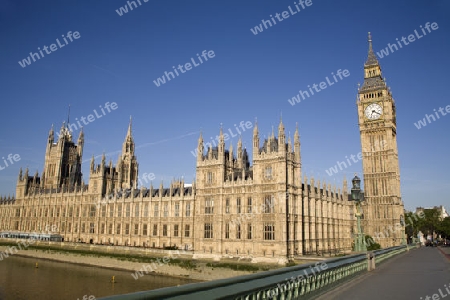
{"x":21,"y":280}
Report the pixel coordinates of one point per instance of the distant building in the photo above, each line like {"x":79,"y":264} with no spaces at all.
{"x":441,"y":210}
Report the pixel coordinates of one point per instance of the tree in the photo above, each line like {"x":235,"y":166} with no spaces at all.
{"x":427,"y":221}
{"x":371,"y":244}
{"x":444,"y":227}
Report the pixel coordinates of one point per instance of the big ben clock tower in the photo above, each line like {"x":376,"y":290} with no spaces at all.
{"x":383,"y":207}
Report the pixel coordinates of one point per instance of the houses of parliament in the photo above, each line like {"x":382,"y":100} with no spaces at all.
{"x":263,"y":210}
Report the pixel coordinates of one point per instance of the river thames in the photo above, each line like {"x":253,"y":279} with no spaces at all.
{"x":21,"y":280}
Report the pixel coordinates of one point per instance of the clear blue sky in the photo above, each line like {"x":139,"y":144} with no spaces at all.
{"x":117,"y":58}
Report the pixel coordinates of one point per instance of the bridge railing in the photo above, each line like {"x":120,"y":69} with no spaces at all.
{"x":298,"y":282}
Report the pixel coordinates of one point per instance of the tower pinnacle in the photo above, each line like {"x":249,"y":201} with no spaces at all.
{"x":371,"y":57}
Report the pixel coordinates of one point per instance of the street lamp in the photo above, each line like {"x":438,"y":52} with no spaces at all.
{"x":360,"y":245}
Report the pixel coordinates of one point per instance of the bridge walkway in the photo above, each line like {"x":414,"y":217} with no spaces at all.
{"x":415,"y":274}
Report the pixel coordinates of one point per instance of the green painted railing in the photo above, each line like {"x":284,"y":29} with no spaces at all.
{"x":298,"y":282}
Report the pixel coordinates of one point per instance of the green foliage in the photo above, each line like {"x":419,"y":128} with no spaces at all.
{"x":444,"y":227}
{"x":291,"y":264}
{"x":371,"y":244}
{"x":233,"y":266}
{"x":426,"y":221}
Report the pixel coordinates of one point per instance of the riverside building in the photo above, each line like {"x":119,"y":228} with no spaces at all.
{"x":264,"y":210}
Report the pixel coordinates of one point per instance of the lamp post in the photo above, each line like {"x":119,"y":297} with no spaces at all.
{"x":360,"y":245}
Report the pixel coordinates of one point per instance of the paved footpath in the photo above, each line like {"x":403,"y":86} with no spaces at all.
{"x":415,"y":274}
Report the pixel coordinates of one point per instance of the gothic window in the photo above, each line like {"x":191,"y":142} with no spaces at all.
{"x":119,"y":210}
{"x":227,"y":206}
{"x":269,"y":204}
{"x":177,"y":209}
{"x":118,"y":229}
{"x":227,"y":230}
{"x":127,"y":228}
{"x":136,"y":229}
{"x":166,"y":210}
{"x":91,"y":228}
{"x":269,"y":231}
{"x":187,"y":230}
{"x":110,"y":229}
{"x":249,"y":231}
{"x":111,"y":210}
{"x":128,"y":211}
{"x":175,"y":230}
{"x":92,"y":211}
{"x":208,"y":231}
{"x":238,"y":231}
{"x":268,"y":173}
{"x":209,"y":178}
{"x":144,"y":229}
{"x":156,"y":211}
{"x":209,"y":206}
{"x":188,"y":209}
{"x":155,"y":229}
{"x":136,"y":210}
{"x":238,"y":205}
{"x":249,"y":205}
{"x":146,"y":210}
{"x":164,"y":230}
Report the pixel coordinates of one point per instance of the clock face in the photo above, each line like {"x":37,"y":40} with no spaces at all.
{"x":373,"y":111}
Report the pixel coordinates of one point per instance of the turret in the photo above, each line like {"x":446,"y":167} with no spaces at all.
{"x":92,"y":164}
{"x":80,"y":143}
{"x":102,"y":165}
{"x":255,"y":140}
{"x":240,"y":159}
{"x":297,"y":144}
{"x":230,"y":157}
{"x":200,"y":148}
{"x":221,"y":147}
{"x":281,"y":138}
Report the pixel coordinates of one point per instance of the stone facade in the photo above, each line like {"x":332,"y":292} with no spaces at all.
{"x":265,"y":211}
